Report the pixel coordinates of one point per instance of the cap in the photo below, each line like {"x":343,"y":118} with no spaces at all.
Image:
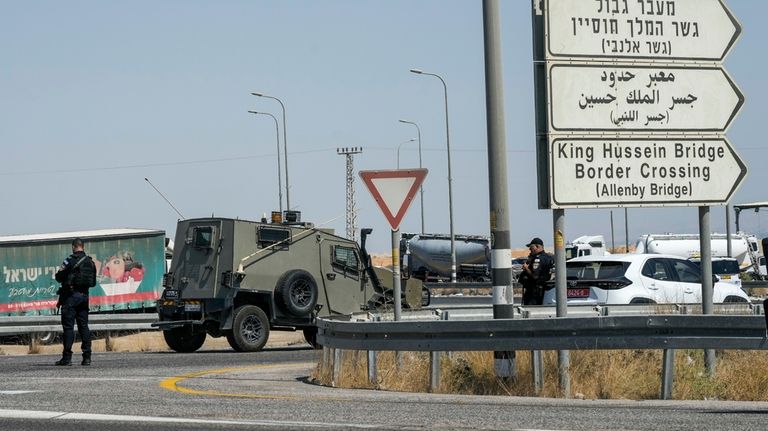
{"x":536,"y":240}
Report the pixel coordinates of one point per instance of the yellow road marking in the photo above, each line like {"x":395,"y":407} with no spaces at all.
{"x":173,"y":383}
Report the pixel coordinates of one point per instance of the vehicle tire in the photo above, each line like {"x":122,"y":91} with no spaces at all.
{"x":250,"y":329}
{"x":184,"y":339}
{"x":310,"y":335}
{"x":296,"y":293}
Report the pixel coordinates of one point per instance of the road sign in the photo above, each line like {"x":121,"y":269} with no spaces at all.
{"x":393,"y":190}
{"x":652,"y":98}
{"x":632,"y":29}
{"x":597,"y":172}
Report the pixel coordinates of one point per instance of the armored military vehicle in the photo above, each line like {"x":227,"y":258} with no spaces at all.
{"x":240,"y":279}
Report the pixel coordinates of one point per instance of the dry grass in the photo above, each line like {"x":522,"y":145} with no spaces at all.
{"x":600,"y":374}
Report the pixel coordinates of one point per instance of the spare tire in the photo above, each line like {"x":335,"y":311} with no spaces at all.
{"x":296,"y":293}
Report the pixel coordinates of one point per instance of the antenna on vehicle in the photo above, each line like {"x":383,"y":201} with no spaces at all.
{"x":163,"y":196}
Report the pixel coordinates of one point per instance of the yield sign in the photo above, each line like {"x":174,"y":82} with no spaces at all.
{"x":393,"y":190}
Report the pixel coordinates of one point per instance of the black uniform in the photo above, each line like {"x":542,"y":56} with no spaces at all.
{"x":73,"y":299}
{"x":541,"y":265}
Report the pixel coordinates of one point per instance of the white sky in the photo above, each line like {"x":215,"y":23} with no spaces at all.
{"x":95,"y":96}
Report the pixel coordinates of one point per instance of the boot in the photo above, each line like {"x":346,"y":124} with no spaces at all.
{"x":86,"y":360}
{"x":64,"y":362}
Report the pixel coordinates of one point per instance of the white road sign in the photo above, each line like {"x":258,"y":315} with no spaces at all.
{"x":594,"y":172}
{"x":653,"y":29}
{"x":611,"y":98}
{"x":393,"y":191}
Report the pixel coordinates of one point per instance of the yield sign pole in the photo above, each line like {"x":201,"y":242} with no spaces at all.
{"x":393,"y":191}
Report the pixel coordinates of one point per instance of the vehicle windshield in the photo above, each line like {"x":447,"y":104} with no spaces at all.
{"x":725,"y":267}
{"x":570,"y":252}
{"x":595,"y":270}
{"x":722,"y":266}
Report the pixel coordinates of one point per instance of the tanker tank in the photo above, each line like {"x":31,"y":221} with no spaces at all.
{"x":428,"y":257}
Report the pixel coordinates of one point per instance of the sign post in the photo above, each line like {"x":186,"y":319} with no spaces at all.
{"x":393,"y":191}
{"x":632,"y":106}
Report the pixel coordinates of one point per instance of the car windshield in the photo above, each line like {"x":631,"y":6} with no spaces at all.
{"x":599,"y":270}
{"x":725,"y":267}
{"x":722,"y":266}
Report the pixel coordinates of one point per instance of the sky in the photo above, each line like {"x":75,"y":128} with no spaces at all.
{"x":97,"y":96}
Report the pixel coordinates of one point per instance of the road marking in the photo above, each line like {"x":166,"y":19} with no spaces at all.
{"x":40,"y":414}
{"x":173,"y":383}
{"x":16,"y":392}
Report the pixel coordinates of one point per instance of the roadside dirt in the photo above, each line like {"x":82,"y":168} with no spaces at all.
{"x":150,"y":341}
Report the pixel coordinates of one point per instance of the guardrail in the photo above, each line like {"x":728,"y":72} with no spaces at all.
{"x":10,"y":325}
{"x":740,"y":326}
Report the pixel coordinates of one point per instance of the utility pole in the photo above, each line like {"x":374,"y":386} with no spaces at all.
{"x":351,"y":218}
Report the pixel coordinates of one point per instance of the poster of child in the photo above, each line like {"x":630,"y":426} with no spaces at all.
{"x":120,"y":273}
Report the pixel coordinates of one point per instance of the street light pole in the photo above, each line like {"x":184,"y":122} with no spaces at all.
{"x":421,"y":188}
{"x":285,"y":147}
{"x":279,"y":176}
{"x":398,"y":150}
{"x":450,"y":178}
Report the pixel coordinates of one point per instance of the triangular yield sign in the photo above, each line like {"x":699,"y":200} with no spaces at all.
{"x":393,"y":190}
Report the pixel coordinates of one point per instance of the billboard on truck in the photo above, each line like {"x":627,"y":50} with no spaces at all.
{"x":130,"y":264}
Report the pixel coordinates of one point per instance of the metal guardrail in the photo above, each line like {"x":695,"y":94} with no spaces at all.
{"x":10,"y":325}
{"x":562,"y":333}
{"x":739,"y":326}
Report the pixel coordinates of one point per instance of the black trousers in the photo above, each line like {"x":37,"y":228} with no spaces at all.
{"x":75,"y":309}
{"x":533,"y":294}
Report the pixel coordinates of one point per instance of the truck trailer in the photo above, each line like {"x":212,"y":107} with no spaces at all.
{"x":427,"y":257}
{"x":129,"y":263}
{"x":744,"y":247}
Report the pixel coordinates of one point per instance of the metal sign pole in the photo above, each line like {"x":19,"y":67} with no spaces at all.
{"x":561,"y":294}
{"x":705,"y":245}
{"x":396,"y":272}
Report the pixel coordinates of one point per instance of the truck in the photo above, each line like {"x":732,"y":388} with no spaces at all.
{"x":241,"y":279}
{"x":130,"y":264}
{"x":744,"y":247}
{"x":427,"y":257}
{"x":585,"y":245}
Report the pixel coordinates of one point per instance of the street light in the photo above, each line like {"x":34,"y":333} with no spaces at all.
{"x":421,"y":188}
{"x":285,"y":148}
{"x":398,"y":150}
{"x":279,"y":179}
{"x":450,"y":179}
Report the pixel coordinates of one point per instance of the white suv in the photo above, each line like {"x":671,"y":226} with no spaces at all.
{"x":637,"y":279}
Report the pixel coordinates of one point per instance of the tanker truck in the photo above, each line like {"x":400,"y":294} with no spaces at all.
{"x":427,"y":257}
{"x":744,"y":247}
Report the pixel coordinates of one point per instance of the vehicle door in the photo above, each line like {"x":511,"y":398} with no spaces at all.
{"x":659,"y":281}
{"x":195,"y":267}
{"x":689,"y":277}
{"x":342,"y":275}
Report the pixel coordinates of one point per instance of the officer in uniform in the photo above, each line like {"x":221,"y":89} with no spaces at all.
{"x":536,"y":271}
{"x":73,"y":300}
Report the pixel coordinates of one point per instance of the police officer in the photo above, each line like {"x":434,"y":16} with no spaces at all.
{"x":76,"y":275}
{"x":535,"y":272}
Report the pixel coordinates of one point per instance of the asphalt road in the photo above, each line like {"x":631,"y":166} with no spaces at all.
{"x":269,"y":390}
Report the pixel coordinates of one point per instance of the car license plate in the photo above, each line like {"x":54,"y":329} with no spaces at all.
{"x":725,"y":277}
{"x":191,"y":307}
{"x":171,"y":294}
{"x":578,"y":293}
